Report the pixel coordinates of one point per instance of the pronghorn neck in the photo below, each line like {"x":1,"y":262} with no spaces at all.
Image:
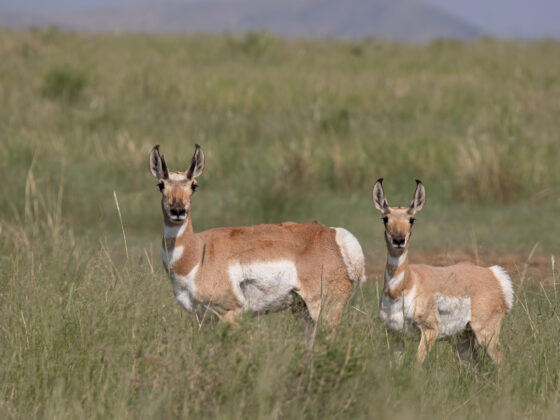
{"x":179,"y":245}
{"x":175,"y":231}
{"x":396,"y":272}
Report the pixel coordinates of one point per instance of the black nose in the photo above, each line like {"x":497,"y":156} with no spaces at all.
{"x":177,"y":211}
{"x":398,"y":240}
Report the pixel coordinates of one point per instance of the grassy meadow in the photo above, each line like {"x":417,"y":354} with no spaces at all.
{"x":300,"y":131}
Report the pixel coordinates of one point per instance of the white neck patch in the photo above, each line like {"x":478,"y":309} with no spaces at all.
{"x":175,"y":231}
{"x":185,"y":289}
{"x":393,"y":282}
{"x":398,"y":260}
{"x":172,"y":255}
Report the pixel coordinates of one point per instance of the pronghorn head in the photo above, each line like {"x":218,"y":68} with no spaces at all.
{"x":398,"y":221}
{"x":176,"y":187}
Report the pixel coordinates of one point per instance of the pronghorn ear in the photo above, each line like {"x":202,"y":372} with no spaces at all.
{"x":419,"y":197}
{"x":378,"y":194}
{"x":157,"y":164}
{"x":197,"y":164}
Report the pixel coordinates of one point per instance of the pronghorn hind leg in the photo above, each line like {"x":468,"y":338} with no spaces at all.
{"x":333,"y":308}
{"x":428,"y":337}
{"x":301,"y":312}
{"x":333,"y":314}
{"x":313,"y":308}
{"x":489,"y":337}
{"x":309,"y":312}
{"x":328,"y":307}
{"x":315,"y":305}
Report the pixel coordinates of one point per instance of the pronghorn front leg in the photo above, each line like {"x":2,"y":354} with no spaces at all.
{"x":428,"y":337}
{"x":231,"y":316}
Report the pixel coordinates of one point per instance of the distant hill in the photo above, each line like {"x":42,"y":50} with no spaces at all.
{"x":402,"y":20}
{"x":16,"y":19}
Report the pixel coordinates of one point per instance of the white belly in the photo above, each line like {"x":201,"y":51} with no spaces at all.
{"x":398,"y":313}
{"x":453,"y":314}
{"x":264,"y":286}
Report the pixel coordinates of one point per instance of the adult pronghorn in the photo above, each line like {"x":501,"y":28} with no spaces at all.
{"x":439,"y":301}
{"x":252,"y":268}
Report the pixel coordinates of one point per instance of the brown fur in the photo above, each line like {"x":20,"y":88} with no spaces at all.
{"x":325,"y":285}
{"x":311,"y":246}
{"x":488,"y":305}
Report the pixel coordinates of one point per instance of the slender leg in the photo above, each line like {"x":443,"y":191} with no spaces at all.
{"x":301,"y":312}
{"x":231,"y":316}
{"x":489,"y":337}
{"x":314,"y":309}
{"x":334,"y":307}
{"x":428,"y":337}
{"x":397,"y":345}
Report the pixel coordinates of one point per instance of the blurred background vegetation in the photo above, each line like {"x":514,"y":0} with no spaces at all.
{"x":291,"y":130}
{"x":296,"y":131}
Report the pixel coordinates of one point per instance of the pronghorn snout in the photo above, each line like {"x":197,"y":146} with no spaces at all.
{"x":177,"y":211}
{"x":399,"y":241}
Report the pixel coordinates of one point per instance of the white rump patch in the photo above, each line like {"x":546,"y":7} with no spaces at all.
{"x":453,"y":314}
{"x":173,"y":254}
{"x":352,"y":255}
{"x":264,"y":286}
{"x":505,"y":283}
{"x":398,"y":313}
{"x":185,"y":289}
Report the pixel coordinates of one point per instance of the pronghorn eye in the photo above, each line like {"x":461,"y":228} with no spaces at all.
{"x":412,"y":219}
{"x":194,"y":187}
{"x":161,"y":186}
{"x":385,"y":220}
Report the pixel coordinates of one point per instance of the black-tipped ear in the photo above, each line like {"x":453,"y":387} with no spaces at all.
{"x":157,"y":164}
{"x":419,"y":197}
{"x":378,"y":195}
{"x":197,"y":163}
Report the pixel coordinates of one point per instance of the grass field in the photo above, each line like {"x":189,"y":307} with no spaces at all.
{"x":295,"y":131}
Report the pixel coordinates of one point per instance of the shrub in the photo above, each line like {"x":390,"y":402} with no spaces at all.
{"x":64,"y":82}
{"x":252,"y":43}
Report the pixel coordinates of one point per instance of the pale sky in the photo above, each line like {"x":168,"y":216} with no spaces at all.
{"x":501,"y":18}
{"x":508,"y":18}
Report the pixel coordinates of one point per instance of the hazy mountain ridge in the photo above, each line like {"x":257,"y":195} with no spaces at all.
{"x":403,"y":20}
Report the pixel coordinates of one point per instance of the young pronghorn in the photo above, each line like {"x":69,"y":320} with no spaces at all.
{"x":252,"y":268}
{"x":439,"y":301}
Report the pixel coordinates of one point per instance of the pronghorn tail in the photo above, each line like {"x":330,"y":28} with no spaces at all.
{"x":352,"y":255}
{"x":505,"y":282}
